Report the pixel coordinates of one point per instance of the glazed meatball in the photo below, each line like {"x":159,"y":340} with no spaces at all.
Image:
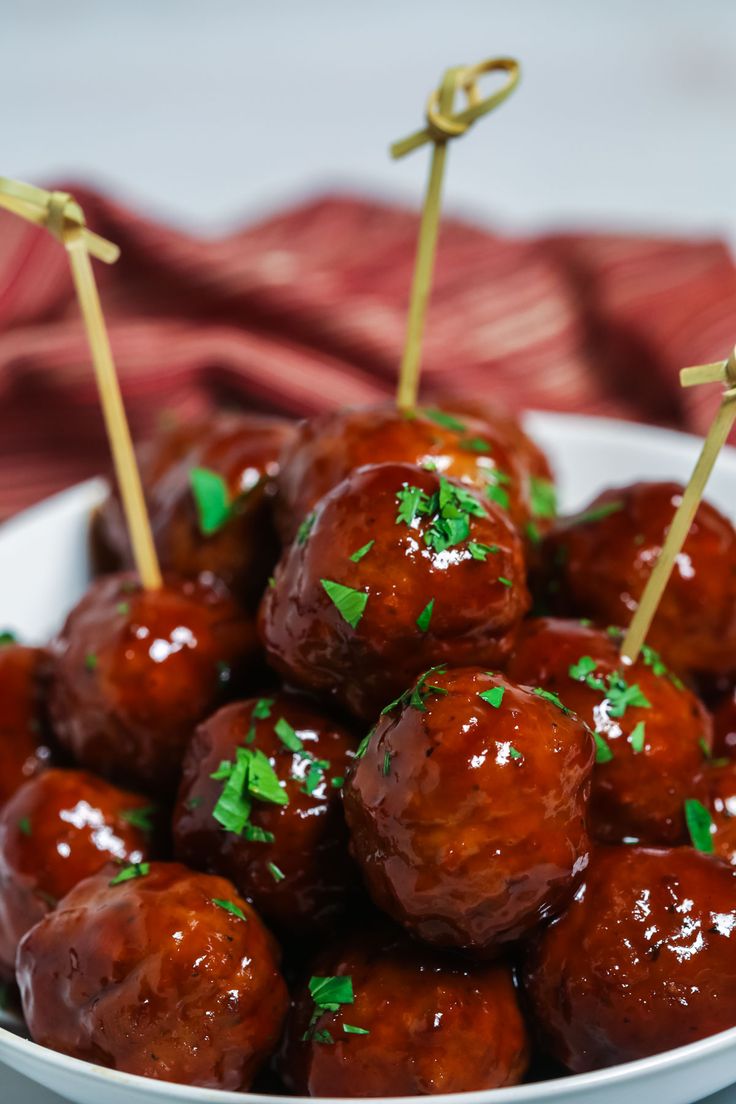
{"x":725,"y":727}
{"x":722,"y":799}
{"x":56,"y":830}
{"x":409,"y":1021}
{"x":601,"y":559}
{"x":24,"y":745}
{"x":467,"y":809}
{"x":209,"y":489}
{"x":135,"y":670}
{"x":271,"y":819}
{"x":643,"y":960}
{"x":652,"y":734}
{"x":399,"y":569}
{"x":174,"y":977}
{"x":327,"y":448}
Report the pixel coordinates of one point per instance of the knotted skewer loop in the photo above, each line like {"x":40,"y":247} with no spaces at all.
{"x":62,"y":216}
{"x":442,"y":125}
{"x":723,"y":371}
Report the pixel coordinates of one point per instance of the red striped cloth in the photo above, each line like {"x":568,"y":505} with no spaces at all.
{"x":306,"y":310}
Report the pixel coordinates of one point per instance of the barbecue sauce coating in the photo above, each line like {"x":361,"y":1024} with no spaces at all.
{"x":303,"y":880}
{"x":136,"y":670}
{"x":722,"y":794}
{"x":468,"y":817}
{"x":328,"y":447}
{"x":435,"y":1025}
{"x":724,"y":721}
{"x":24,"y":749}
{"x":153,"y":978}
{"x":643,"y":960}
{"x":650,"y":757}
{"x":599,"y":568}
{"x":244,"y":450}
{"x":477,"y":601}
{"x":58,"y":829}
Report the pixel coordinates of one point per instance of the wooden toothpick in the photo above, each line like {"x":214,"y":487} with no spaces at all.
{"x":64,"y":218}
{"x":725,"y":372}
{"x":442,"y":125}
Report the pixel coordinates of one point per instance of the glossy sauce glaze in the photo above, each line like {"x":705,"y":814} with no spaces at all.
{"x":599,"y":562}
{"x":467,"y":813}
{"x":57,"y":829}
{"x":724,"y":721}
{"x":650,"y":755}
{"x":643,"y":960}
{"x":433,"y":1024}
{"x":244,"y":450}
{"x":134,"y":671}
{"x":153,"y":977}
{"x":722,"y":800}
{"x":370,"y":650}
{"x":301,"y":880}
{"x":24,"y":738}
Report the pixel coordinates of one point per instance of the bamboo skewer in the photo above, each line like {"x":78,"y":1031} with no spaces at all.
{"x":64,"y":218}
{"x":442,"y":125}
{"x":716,"y":438}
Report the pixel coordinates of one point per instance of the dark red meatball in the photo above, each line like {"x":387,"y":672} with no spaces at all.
{"x":296,"y":871}
{"x":136,"y":670}
{"x":722,"y":799}
{"x":601,"y":559}
{"x":467,"y":809}
{"x":653,"y":735}
{"x":24,"y":748}
{"x":643,"y":960}
{"x":399,"y":569}
{"x":243,"y":451}
{"x":328,"y":447}
{"x":56,"y":830}
{"x":725,"y":727}
{"x":428,"y":1024}
{"x":174,"y":977}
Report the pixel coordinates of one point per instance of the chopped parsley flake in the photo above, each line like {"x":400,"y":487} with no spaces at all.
{"x":493,"y":696}
{"x":140,"y":818}
{"x":363,"y":745}
{"x":129,"y":873}
{"x":475,"y":444}
{"x":425,"y":616}
{"x":337,"y":782}
{"x":250,"y":777}
{"x":7,"y":637}
{"x":305,"y":528}
{"x":638,"y":737}
{"x":598,"y":513}
{"x":90,"y":661}
{"x":287,"y":735}
{"x":514,"y":752}
{"x":328,"y":994}
{"x":603,"y":753}
{"x":24,"y":826}
{"x":276,"y":872}
{"x":504,"y":581}
{"x":584,"y":667}
{"x":447,"y":421}
{"x":699,"y":825}
{"x":349,"y":602}
{"x":619,"y":694}
{"x":532,"y":532}
{"x":543,"y":498}
{"x":387,"y":763}
{"x":231,"y":907}
{"x":448,"y":512}
{"x":496,"y":489}
{"x":417,"y":695}
{"x":349,"y":1029}
{"x":358,"y":556}
{"x":482,"y":551}
{"x":212,"y":499}
{"x":123,"y":608}
{"x":550,"y":696}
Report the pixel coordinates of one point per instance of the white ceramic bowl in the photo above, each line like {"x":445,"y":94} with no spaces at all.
{"x":44,"y":569}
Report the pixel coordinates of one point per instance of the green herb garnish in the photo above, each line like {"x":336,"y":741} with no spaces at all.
{"x":493,"y":696}
{"x":349,"y":602}
{"x":447,"y":421}
{"x":140,"y":818}
{"x":597,"y":513}
{"x":349,"y":1029}
{"x":24,"y":826}
{"x":129,"y":873}
{"x":700,"y":825}
{"x":638,"y":737}
{"x":387,"y":763}
{"x":328,"y":994}
{"x":603,"y":753}
{"x":504,"y":581}
{"x":619,"y":694}
{"x":425,"y":616}
{"x":287,"y":735}
{"x":417,"y":695}
{"x":90,"y":661}
{"x":7,"y":636}
{"x":250,"y":777}
{"x":363,"y":745}
{"x":550,"y":696}
{"x":481,"y":551}
{"x":543,"y":497}
{"x":123,"y":608}
{"x":305,"y":528}
{"x":358,"y":556}
{"x":212,"y":499}
{"x":231,"y":907}
{"x":276,"y":872}
{"x":475,"y":444}
{"x":514,"y":752}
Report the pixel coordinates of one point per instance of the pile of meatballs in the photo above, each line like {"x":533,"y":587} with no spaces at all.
{"x":363,"y":800}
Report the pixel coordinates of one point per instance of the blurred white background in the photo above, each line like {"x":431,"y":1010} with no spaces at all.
{"x":210,"y":112}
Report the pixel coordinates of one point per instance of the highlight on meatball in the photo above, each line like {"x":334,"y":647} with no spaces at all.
{"x":56,"y":830}
{"x":398,"y":569}
{"x":382,"y":1016}
{"x":24,"y":743}
{"x":467,"y":808}
{"x":260,"y":802}
{"x":601,"y":559}
{"x":135,"y":670}
{"x":642,"y":961}
{"x":209,"y":487}
{"x":197,"y":996}
{"x":653,"y":736}
{"x":721,"y":778}
{"x":328,"y":447}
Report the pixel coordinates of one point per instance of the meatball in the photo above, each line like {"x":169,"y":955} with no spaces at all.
{"x":407,"y":1020}
{"x":643,"y":960}
{"x":725,"y":727}
{"x":209,"y":489}
{"x":57,"y":829}
{"x":467,"y":808}
{"x":135,"y":670}
{"x":269,"y":772}
{"x":722,"y":794}
{"x":327,"y":448}
{"x":603,"y":557}
{"x":24,"y":748}
{"x":399,"y":569}
{"x":652,"y":734}
{"x":174,"y":977}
